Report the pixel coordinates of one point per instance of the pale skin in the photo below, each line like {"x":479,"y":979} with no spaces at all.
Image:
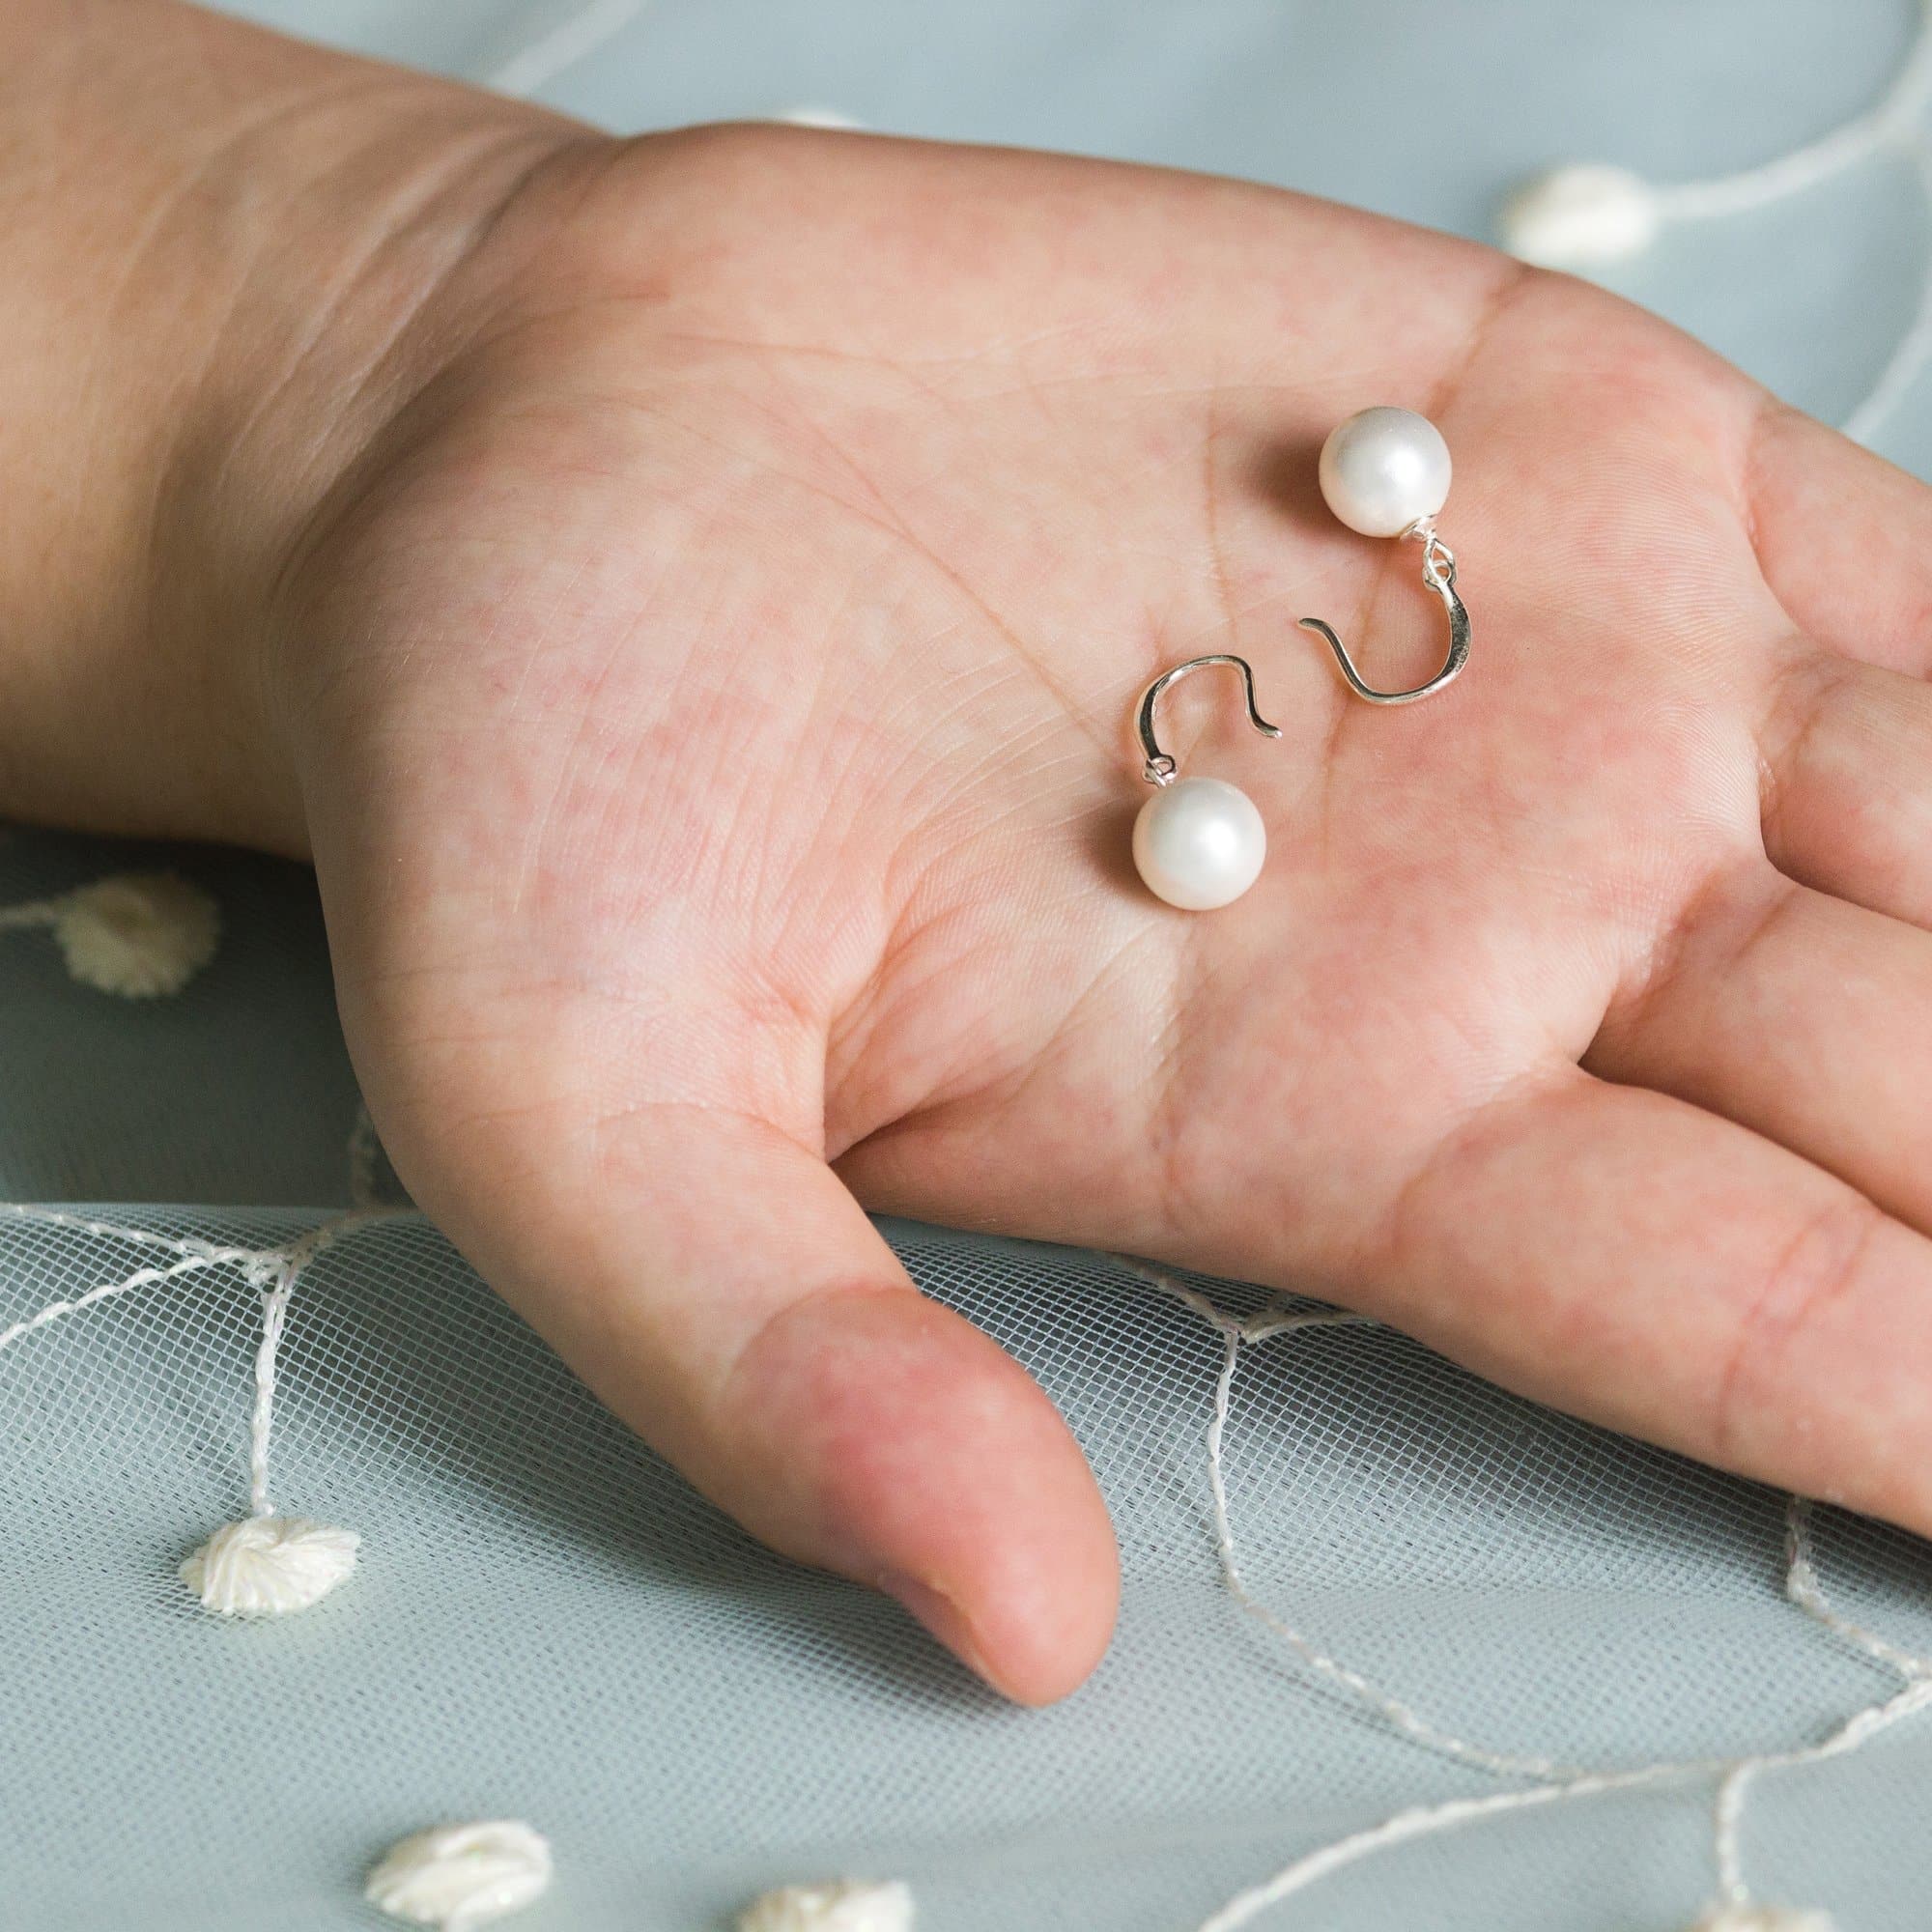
{"x":688,"y":596}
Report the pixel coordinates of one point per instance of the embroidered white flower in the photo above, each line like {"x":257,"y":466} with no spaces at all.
{"x":848,"y":1907}
{"x":138,"y":934}
{"x":456,"y":1876}
{"x":269,"y":1565}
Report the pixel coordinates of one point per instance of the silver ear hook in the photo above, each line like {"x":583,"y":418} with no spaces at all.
{"x":1438,"y":572}
{"x":1159,"y":769}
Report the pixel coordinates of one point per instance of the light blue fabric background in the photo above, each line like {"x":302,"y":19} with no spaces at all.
{"x":549,"y":1624}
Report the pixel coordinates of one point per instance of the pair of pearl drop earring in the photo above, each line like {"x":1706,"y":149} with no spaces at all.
{"x":1200,"y":843}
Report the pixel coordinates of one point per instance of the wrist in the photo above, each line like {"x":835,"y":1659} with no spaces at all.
{"x":352,"y":298}
{"x":239,"y":259}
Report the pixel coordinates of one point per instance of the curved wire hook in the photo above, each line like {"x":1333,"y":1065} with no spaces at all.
{"x":1438,"y":572}
{"x":1159,"y":768}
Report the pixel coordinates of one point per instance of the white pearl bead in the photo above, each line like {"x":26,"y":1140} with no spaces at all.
{"x":1199,"y":843}
{"x":1384,"y":469}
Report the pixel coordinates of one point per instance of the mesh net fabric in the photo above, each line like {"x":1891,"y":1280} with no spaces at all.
{"x":549,"y":1624}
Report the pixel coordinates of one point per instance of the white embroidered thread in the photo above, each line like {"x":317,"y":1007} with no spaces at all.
{"x":114,"y":1231}
{"x":1802,"y":1586}
{"x":138,"y":935}
{"x":457,"y":1876}
{"x":106,"y":1291}
{"x":1269,"y":1323}
{"x":1735,"y":1909}
{"x":1427,"y":1820}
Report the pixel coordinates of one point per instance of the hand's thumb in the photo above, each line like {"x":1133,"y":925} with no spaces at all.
{"x":733,"y":1304}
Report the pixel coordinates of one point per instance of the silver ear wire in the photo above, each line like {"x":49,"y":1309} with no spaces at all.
{"x":1159,"y":769}
{"x":1438,"y":572}
{"x":1197,"y":842}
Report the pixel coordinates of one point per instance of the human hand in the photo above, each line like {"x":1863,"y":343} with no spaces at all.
{"x":708,"y":700}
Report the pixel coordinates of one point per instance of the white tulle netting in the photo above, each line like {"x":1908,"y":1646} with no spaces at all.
{"x":546,"y":1623}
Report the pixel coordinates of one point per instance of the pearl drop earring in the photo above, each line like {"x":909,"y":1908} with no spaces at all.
{"x":1197,"y":842}
{"x":1385,"y":473}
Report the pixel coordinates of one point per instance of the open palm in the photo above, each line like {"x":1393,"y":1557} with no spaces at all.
{"x":715,"y":695}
